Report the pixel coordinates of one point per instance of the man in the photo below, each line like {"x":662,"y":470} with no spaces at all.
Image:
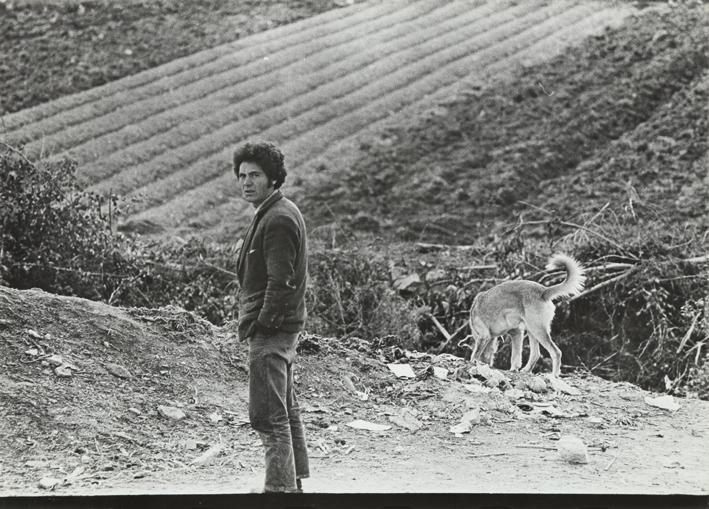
{"x":271,"y":269}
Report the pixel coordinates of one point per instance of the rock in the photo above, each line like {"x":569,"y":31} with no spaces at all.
{"x":134,"y":411}
{"x":172,"y":413}
{"x":435,"y":275}
{"x":117,"y":370}
{"x":402,"y":370}
{"x":572,"y":449}
{"x":33,"y":352}
{"x":406,"y":419}
{"x":537,"y":384}
{"x":666,"y":402}
{"x":440,"y":373}
{"x":55,"y":360}
{"x":560,"y":386}
{"x":48,"y":483}
{"x":34,"y":334}
{"x":215,"y":417}
{"x":369,"y":426}
{"x":63,"y":371}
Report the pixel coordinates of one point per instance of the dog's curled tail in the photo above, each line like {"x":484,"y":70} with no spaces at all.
{"x":575,"y":277}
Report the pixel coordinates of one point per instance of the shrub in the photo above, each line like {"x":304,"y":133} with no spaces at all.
{"x":351,"y":295}
{"x":54,"y":236}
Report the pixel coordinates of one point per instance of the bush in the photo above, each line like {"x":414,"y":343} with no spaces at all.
{"x":54,"y":236}
{"x":57,"y":237}
{"x":350,"y":294}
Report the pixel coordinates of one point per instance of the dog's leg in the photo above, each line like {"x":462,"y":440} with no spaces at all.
{"x":542,"y":335}
{"x":516,"y":338}
{"x":533,"y":352}
{"x":488,"y":351}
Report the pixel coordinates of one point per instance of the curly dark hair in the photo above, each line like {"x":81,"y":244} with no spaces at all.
{"x":267,"y":155}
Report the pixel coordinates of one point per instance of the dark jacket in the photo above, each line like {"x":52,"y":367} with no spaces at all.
{"x":272,"y":269}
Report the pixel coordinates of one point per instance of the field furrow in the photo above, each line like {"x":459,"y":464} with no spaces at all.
{"x":48,"y":119}
{"x":279,"y":118}
{"x":376,"y":104}
{"x":178,"y":127}
{"x":210,"y":220}
{"x":165,"y":137}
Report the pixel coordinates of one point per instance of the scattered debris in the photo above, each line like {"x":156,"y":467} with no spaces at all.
{"x":492,"y":377}
{"x":469,"y":419}
{"x":366,"y":425}
{"x":572,"y":449}
{"x":117,"y":370}
{"x":476,"y":388}
{"x":514,"y":394}
{"x":610,"y":463}
{"x":552,"y":411}
{"x":533,"y":446}
{"x":208,"y":455}
{"x":405,"y":283}
{"x":666,"y":402}
{"x":316,"y":408}
{"x":402,"y":370}
{"x":672,"y":462}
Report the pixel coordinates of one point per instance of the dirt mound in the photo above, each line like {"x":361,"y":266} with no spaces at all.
{"x":96,"y":399}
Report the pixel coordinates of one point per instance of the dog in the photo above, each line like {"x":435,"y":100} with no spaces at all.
{"x":519,"y":306}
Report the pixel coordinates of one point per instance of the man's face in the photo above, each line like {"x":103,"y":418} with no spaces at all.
{"x":255,"y":186}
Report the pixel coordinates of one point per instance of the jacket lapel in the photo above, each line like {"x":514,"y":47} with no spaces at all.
{"x":246,"y":246}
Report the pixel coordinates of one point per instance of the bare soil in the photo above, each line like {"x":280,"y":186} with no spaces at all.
{"x":99,"y":430}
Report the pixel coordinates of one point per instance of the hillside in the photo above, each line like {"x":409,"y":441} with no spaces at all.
{"x":139,"y":396}
{"x":435,"y":148}
{"x":164,"y":137}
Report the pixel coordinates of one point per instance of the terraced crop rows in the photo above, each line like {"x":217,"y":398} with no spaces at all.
{"x":165,"y":136}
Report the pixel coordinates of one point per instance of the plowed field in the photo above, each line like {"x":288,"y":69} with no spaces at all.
{"x":165,"y":136}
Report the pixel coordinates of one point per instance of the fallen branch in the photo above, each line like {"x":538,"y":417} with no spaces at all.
{"x":18,"y":152}
{"x":689,"y":332}
{"x":544,"y":447}
{"x":426,"y":245}
{"x":604,"y":284}
{"x":488,"y":455}
{"x":445,"y":333}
